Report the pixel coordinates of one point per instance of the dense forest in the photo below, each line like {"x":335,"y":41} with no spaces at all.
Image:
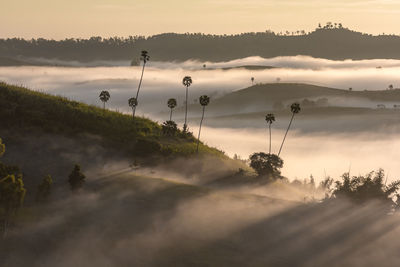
{"x":331,"y":41}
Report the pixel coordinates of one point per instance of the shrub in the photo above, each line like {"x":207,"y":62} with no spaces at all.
{"x":76,"y":179}
{"x":169,"y":128}
{"x":266,"y":164}
{"x":371,"y":186}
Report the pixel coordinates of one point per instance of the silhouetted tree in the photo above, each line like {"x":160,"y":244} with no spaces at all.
{"x":144,"y":57}
{"x":44,"y":189}
{"x":187,"y":81}
{"x":76,"y":179}
{"x":390,"y":86}
{"x":133,"y":103}
{"x":371,"y":186}
{"x":252,"y":80}
{"x":270,"y":118}
{"x":12,"y":193}
{"x":204,"y":101}
{"x":294,"y":108}
{"x":104,"y":97}
{"x":266,"y":164}
{"x":171,"y":104}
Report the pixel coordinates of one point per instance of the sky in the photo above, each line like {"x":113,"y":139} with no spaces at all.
{"x":59,"y":19}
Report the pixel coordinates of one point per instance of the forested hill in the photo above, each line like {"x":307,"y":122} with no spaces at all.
{"x":327,"y":42}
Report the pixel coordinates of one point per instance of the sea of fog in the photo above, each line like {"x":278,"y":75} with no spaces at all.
{"x":316,"y":154}
{"x":304,"y":154}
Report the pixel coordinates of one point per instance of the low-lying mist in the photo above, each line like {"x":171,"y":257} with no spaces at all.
{"x":164,"y":80}
{"x":317,"y":154}
{"x":137,"y":221}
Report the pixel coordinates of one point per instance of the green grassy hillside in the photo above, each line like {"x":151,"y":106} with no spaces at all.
{"x":25,"y":110}
{"x":47,"y":134}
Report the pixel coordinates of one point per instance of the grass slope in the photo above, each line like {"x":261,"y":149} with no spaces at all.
{"x":25,"y":110}
{"x":47,"y":134}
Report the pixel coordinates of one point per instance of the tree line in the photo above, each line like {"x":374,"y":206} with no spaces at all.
{"x":332,"y":41}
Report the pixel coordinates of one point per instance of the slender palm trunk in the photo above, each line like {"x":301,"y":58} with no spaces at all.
{"x":104,"y":105}
{"x":201,"y":122}
{"x":269,"y":138}
{"x":133,"y":113}
{"x":291,"y":120}
{"x":5,"y":228}
{"x":137,"y":93}
{"x":170,"y":115}
{"x":186,"y":109}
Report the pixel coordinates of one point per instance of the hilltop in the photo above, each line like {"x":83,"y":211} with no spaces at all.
{"x":277,"y":96}
{"x":48,"y":134}
{"x":324,"y":109}
{"x":336,"y":43}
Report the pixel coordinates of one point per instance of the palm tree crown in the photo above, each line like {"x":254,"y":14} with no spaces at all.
{"x":132,"y":102}
{"x":204,"y":100}
{"x":172,"y":103}
{"x":144,"y":56}
{"x":104,"y":96}
{"x":295,"y":108}
{"x":187,"y":81}
{"x":270,"y":118}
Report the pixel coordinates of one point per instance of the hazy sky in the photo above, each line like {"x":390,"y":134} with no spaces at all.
{"x":82,"y":18}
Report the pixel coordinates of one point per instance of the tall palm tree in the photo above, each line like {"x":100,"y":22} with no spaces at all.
{"x":204,"y":101}
{"x":187,"y":81}
{"x":133,"y":103}
{"x":171,"y":105}
{"x":104,"y":97}
{"x":252,"y":80}
{"x":144,"y":57}
{"x":270,"y":118}
{"x":294,"y":108}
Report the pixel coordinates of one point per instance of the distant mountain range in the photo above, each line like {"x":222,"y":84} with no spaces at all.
{"x":331,"y":43}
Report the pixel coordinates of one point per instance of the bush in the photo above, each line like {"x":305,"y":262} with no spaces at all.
{"x":44,"y":189}
{"x":169,"y":128}
{"x":266,"y":164}
{"x":76,"y":179}
{"x":361,"y":189}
